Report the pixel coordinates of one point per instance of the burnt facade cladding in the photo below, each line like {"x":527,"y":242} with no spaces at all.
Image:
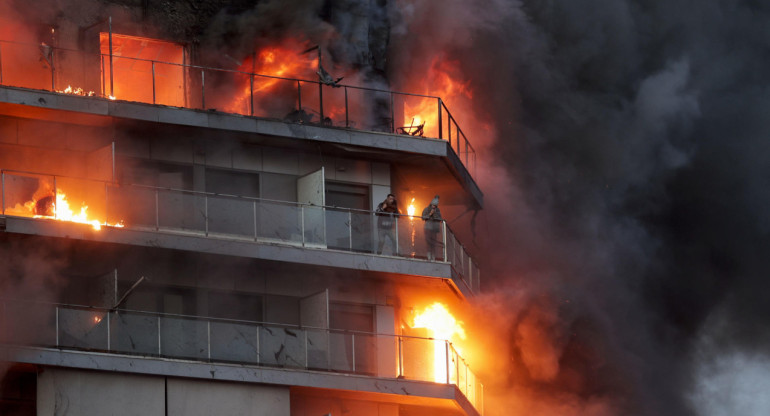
{"x":191,"y":221}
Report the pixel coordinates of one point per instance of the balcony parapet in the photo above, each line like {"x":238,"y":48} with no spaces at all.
{"x":244,"y":220}
{"x":214,"y":340}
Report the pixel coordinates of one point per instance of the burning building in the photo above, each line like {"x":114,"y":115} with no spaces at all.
{"x":214,"y":237}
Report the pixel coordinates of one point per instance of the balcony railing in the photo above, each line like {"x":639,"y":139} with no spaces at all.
{"x":234,"y":341}
{"x":39,"y":66}
{"x":240,"y":218}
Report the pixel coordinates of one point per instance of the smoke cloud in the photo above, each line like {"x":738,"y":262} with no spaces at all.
{"x":626,"y":180}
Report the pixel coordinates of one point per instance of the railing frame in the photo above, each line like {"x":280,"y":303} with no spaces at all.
{"x":463,"y":151}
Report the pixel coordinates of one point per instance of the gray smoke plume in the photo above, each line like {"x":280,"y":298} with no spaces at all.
{"x":628,"y":183}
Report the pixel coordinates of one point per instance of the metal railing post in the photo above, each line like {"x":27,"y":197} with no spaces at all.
{"x":112,"y":66}
{"x":206,"y":214}
{"x":299,"y":96}
{"x":396,"y":242}
{"x":159,"y":337}
{"x":157,"y":215}
{"x":54,"y":196}
{"x":108,"y":330}
{"x":53,"y":71}
{"x":255,"y":221}
{"x":203,"y":90}
{"x":400,"y":356}
{"x":302,"y":223}
{"x":307,"y":362}
{"x":347,"y":111}
{"x":353,"y":349}
{"x":153,"y":82}
{"x":444,"y":236}
{"x":392,"y":115}
{"x":208,"y":336}
{"x":251,"y":94}
{"x":446,"y":345}
{"x":104,"y":86}
{"x":440,"y":127}
{"x":350,"y":229}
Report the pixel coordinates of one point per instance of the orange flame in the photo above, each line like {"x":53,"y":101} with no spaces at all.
{"x":443,"y":327}
{"x":411,"y":209}
{"x":440,"y":82}
{"x":76,"y":91}
{"x":43,"y":207}
{"x":282,"y":61}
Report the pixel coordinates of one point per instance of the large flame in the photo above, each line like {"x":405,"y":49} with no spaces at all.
{"x":44,"y":207}
{"x":443,"y":327}
{"x":440,"y":82}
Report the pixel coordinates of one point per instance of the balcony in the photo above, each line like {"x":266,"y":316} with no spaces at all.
{"x":74,"y":72}
{"x":210,"y":340}
{"x":203,"y":221}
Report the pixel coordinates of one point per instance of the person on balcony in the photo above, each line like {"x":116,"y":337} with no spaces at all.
{"x":432,"y":217}
{"x":387,"y":217}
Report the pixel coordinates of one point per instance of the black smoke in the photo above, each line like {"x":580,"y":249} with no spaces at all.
{"x":628,"y":185}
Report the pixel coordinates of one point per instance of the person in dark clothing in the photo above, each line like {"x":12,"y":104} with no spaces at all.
{"x":432,"y":217}
{"x":387,"y":213}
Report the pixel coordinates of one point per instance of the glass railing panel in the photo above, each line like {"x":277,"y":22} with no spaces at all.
{"x":227,"y":91}
{"x":181,"y":211}
{"x":27,"y":195}
{"x":135,"y":206}
{"x":416,"y":116}
{"x":134,"y":333}
{"x":279,"y":223}
{"x":283,"y":347}
{"x":77,"y":72}
{"x":418,"y":356}
{"x":83,"y":328}
{"x":462,"y":377}
{"x":132,"y":79}
{"x":338,"y":231}
{"x":183,"y":337}
{"x":276,"y":98}
{"x":366,"y":353}
{"x":360,"y":115}
{"x":231,"y":216}
{"x":80,"y":198}
{"x":334,"y":106}
{"x":234,"y":342}
{"x":26,"y":65}
{"x":170,"y":81}
{"x":363,"y":234}
{"x":311,"y":107}
{"x":341,"y":350}
{"x":30,"y":324}
{"x":420,"y":239}
{"x":387,"y":234}
{"x":314,"y":225}
{"x":318,"y":349}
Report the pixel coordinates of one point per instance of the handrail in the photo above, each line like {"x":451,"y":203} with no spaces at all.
{"x":97,"y":333}
{"x":467,"y":272}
